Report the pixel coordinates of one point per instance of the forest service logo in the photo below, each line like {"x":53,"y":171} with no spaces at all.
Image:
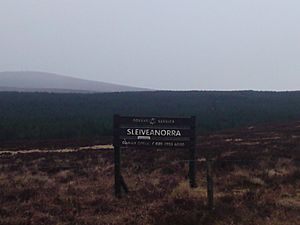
{"x":152,"y":121}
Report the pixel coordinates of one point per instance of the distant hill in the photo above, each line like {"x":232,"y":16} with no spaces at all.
{"x":31,"y":81}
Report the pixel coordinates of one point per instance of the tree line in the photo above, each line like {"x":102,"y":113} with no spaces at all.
{"x":33,"y":116}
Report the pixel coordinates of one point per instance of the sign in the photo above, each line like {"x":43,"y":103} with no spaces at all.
{"x":153,"y":132}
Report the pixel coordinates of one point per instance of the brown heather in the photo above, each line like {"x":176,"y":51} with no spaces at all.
{"x":256,"y":174}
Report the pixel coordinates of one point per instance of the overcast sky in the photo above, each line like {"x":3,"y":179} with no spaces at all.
{"x":161,"y":44}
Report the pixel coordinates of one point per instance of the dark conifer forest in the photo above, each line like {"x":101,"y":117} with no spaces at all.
{"x":32,"y":116}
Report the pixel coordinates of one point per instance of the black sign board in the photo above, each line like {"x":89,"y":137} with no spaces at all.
{"x":155,"y":133}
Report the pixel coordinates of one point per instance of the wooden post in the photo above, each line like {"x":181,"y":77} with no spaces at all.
{"x":210,"y":190}
{"x":117,"y":157}
{"x":192,"y":161}
{"x":124,"y":185}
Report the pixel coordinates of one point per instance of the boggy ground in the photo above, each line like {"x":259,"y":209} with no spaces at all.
{"x":256,"y":176}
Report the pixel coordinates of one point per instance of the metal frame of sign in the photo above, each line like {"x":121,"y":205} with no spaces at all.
{"x":153,"y":132}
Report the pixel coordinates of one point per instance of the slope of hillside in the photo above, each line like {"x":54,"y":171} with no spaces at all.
{"x":48,"y":82}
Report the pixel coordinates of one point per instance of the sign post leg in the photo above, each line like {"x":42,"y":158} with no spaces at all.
{"x":124,"y":185}
{"x":210,"y":190}
{"x":192,"y":162}
{"x":117,"y":173}
{"x":192,"y":170}
{"x":117,"y":156}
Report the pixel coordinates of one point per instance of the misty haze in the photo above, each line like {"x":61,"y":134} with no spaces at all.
{"x":169,"y":45}
{"x":161,"y":112}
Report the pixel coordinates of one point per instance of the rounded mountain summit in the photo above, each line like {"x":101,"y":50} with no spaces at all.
{"x":32,"y":81}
